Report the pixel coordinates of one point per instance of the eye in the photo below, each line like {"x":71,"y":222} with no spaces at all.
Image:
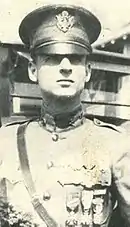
{"x":77,"y":59}
{"x":50,"y":59}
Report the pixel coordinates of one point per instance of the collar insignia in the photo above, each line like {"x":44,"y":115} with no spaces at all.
{"x":64,"y":21}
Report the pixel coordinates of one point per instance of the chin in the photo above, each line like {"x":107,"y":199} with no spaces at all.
{"x":65,"y":92}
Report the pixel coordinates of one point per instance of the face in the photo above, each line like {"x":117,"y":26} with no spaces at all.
{"x":61,"y":75}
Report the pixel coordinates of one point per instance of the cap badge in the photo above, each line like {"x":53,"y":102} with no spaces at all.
{"x":64,"y":21}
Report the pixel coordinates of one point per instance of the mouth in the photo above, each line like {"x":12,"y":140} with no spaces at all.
{"x":65,"y":82}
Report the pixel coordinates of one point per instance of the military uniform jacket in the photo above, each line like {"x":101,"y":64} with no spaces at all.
{"x":81,"y":179}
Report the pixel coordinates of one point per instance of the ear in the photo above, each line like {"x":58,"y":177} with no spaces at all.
{"x":88,"y":72}
{"x":32,"y":71}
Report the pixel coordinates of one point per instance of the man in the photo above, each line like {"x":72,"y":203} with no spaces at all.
{"x":63,"y":169}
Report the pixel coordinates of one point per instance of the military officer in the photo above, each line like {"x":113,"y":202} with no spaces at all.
{"x":63,"y":169}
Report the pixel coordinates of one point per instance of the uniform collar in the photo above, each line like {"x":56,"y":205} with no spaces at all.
{"x":62,"y":122}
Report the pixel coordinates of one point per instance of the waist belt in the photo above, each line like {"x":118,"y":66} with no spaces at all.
{"x":24,"y":163}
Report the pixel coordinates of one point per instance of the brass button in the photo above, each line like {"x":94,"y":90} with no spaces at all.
{"x":50,"y":164}
{"x":46,"y":196}
{"x":55,"y":137}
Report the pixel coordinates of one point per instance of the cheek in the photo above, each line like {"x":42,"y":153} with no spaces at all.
{"x":42,"y":77}
{"x":46,"y":76}
{"x":49,"y":71}
{"x":80,"y":75}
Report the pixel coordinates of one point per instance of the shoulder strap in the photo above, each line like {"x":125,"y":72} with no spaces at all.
{"x":24,"y":163}
{"x":22,"y":121}
{"x":99,"y":123}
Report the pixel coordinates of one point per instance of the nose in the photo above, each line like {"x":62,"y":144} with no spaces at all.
{"x":65,"y":67}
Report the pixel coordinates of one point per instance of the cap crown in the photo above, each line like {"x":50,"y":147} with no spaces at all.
{"x":56,"y":24}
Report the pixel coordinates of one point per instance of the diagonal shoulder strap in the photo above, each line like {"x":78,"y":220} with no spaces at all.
{"x":3,"y":203}
{"x":24,"y":163}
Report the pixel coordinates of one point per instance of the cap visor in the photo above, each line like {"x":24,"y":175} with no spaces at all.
{"x":62,"y":48}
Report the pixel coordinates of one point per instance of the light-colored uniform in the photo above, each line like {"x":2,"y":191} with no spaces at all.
{"x":83,"y":176}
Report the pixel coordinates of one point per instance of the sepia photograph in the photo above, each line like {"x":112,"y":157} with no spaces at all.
{"x":65,"y":113}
